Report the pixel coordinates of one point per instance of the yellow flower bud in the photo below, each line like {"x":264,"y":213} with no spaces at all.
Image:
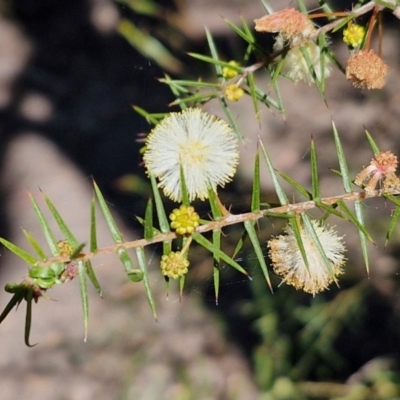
{"x":354,"y":35}
{"x":229,"y":73}
{"x":233,"y":92}
{"x":65,"y":248}
{"x":174,"y":265}
{"x":184,"y":220}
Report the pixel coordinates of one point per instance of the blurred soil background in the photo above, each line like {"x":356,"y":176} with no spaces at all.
{"x":67,"y":83}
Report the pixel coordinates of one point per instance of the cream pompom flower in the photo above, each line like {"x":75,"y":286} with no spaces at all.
{"x":204,"y":146}
{"x":295,"y":32}
{"x":295,"y":66}
{"x":288,"y":262}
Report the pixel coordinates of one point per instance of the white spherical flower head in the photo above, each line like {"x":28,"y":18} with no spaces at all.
{"x":288,"y":262}
{"x":205,"y":146}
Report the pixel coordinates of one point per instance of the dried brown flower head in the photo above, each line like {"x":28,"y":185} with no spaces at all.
{"x":290,"y":23}
{"x":381,"y":168}
{"x":366,"y":70}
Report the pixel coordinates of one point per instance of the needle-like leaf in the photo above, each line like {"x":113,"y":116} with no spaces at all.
{"x":278,"y":188}
{"x":28,"y":317}
{"x":112,"y":226}
{"x":148,"y":221}
{"x":21,"y":253}
{"x":347,"y":183}
{"x":249,"y":226}
{"x":33,"y":242}
{"x":61,"y":224}
{"x":143,"y":267}
{"x":93,"y":231}
{"x":202,"y":241}
{"x":84,"y":296}
{"x":256,"y":192}
{"x":316,"y":194}
{"x":48,"y":234}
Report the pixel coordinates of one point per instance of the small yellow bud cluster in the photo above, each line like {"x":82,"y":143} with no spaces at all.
{"x":354,"y":35}
{"x":229,"y":73}
{"x":71,"y":270}
{"x":233,"y":92}
{"x":184,"y":220}
{"x":65,"y":248}
{"x":174,"y":265}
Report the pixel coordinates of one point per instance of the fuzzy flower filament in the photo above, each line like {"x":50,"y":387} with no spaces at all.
{"x":184,"y":220}
{"x":381,"y":168}
{"x":288,"y":262}
{"x":295,"y":65}
{"x":205,"y":147}
{"x":295,"y":32}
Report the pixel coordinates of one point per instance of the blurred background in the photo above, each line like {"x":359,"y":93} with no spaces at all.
{"x":69,"y":75}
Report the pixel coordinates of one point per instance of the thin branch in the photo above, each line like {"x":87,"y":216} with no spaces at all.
{"x":230,"y":219}
{"x":357,"y":13}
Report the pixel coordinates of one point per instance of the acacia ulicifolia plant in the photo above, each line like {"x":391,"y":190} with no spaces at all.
{"x":190,"y":154}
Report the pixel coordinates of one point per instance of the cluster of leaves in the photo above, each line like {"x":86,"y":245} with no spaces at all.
{"x":44,"y":273}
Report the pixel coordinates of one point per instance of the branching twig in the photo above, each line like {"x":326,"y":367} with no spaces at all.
{"x":230,"y":219}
